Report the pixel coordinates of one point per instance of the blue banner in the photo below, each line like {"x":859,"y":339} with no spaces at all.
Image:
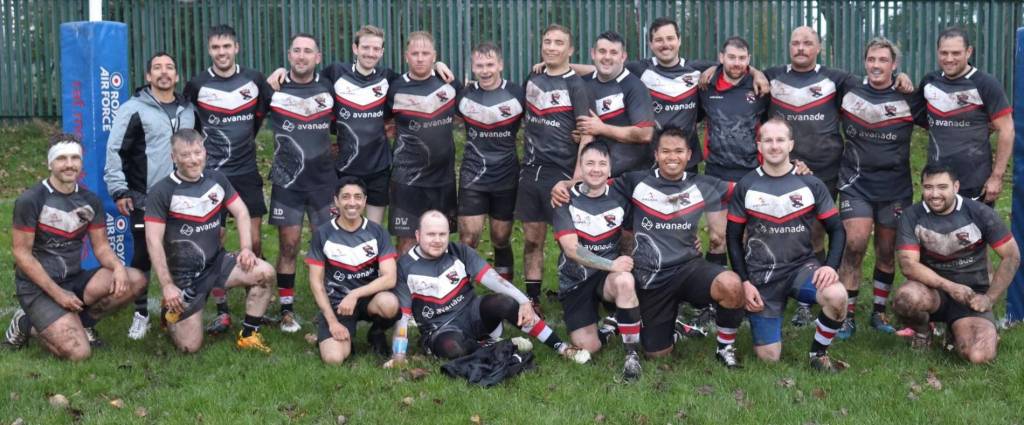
{"x":1015,"y":295}
{"x":94,"y":83}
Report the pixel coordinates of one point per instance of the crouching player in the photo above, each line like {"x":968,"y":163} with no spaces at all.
{"x":59,"y":300}
{"x":351,"y":274}
{"x":435,"y":283}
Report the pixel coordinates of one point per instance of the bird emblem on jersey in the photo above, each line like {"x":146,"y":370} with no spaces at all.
{"x":213,"y":198}
{"x":688,"y":80}
{"x":442,"y":96}
{"x":320,"y":101}
{"x":890,"y":111}
{"x":750,"y":97}
{"x":555,"y":98}
{"x":681,"y":198}
{"x":606,"y":104}
{"x":797,"y":200}
{"x":609,"y":219}
{"x":815,"y":91}
{"x":378,"y":91}
{"x":961,"y":99}
{"x":964,"y":238}
{"x":453,"y":276}
{"x":84,"y":214}
{"x":505,"y":110}
{"x":246,"y":94}
{"x":369,"y":251}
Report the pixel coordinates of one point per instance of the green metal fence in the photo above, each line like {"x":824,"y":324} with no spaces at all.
{"x":30,"y":86}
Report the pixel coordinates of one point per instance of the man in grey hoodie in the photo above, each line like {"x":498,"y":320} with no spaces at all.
{"x":139,"y":155}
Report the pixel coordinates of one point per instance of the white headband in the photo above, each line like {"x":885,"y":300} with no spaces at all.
{"x":63,"y":148}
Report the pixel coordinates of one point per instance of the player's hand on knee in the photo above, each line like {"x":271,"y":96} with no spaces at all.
{"x":69,"y":301}
{"x":120,"y":285}
{"x":246,"y":259}
{"x":396,"y":361}
{"x":560,"y":193}
{"x":981,"y":303}
{"x":824,"y":277}
{"x":623,"y":264}
{"x":347,"y":306}
{"x":752,"y":296}
{"x":960,"y":293}
{"x":526,"y":315}
{"x":338,"y":331}
{"x":172,"y":298}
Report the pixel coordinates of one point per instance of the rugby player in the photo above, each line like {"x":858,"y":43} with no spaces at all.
{"x":60,"y":301}
{"x":183,"y":222}
{"x":732,"y":113}
{"x":423,"y":177}
{"x":351,"y":275}
{"x":769,"y":236}
{"x":231,"y":102}
{"x":492,"y":110}
{"x":302,"y":174}
{"x":808,"y":96}
{"x":555,"y":98}
{"x":874,"y":176}
{"x":591,"y":270}
{"x":621,"y":116}
{"x":435,"y":285}
{"x":138,"y":150}
{"x":965,"y":105}
{"x":942,"y":246}
{"x":668,"y":203}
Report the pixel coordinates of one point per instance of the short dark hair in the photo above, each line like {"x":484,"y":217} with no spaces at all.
{"x":611,"y":36}
{"x":56,"y":138}
{"x":737,"y":42}
{"x":350,"y":180}
{"x":304,"y":35}
{"x":599,"y":146}
{"x":939,"y":168}
{"x":487,"y":48}
{"x":954,"y":32}
{"x":558,"y":27}
{"x":670,"y":132}
{"x":660,"y":22}
{"x":149,"y":63}
{"x":186,"y":135}
{"x":222,"y":30}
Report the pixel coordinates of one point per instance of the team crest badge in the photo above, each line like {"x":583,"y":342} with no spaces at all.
{"x":246,"y":94}
{"x":377,"y":91}
{"x":320,"y":101}
{"x":961,"y":99}
{"x":750,"y":97}
{"x":890,"y":111}
{"x":213,"y":198}
{"x":797,"y":200}
{"x":452,"y":276}
{"x":555,"y":98}
{"x":963,"y":238}
{"x":505,"y":110}
{"x":368,"y":250}
{"x":609,"y":219}
{"x":688,"y":80}
{"x":606,"y":104}
{"x":815,"y":91}
{"x":442,"y":96}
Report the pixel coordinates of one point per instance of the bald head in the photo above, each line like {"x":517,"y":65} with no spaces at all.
{"x":804,"y":46}
{"x":432,"y":234}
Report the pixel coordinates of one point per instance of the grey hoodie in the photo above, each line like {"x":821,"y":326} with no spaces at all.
{"x":139,"y":147}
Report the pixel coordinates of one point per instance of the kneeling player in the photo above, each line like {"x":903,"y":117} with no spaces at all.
{"x":183,"y":214}
{"x":942,"y":250}
{"x":351,"y":274}
{"x":775,"y":208}
{"x":434,"y":283}
{"x":590,"y":271}
{"x":59,"y":299}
